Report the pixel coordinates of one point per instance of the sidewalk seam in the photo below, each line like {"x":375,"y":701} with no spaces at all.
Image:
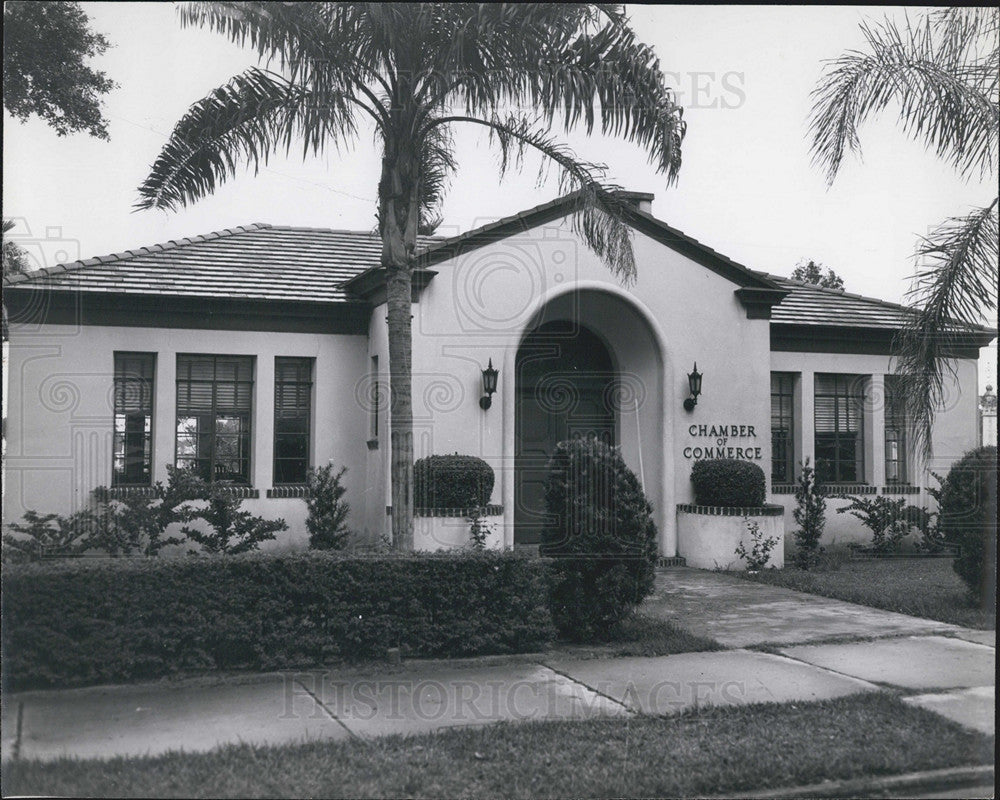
{"x":598,"y":692}
{"x":322,"y":705}
{"x":882,"y":687}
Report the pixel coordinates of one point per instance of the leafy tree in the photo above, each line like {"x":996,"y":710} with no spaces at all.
{"x":417,"y":71}
{"x":810,"y":517}
{"x":46,"y":46}
{"x":327,"y":519}
{"x":15,"y":259}
{"x":812,"y":272}
{"x":939,"y":72}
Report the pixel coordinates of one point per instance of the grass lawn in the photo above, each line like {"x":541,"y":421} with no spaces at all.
{"x":701,"y":752}
{"x":923,"y":587}
{"x":640,"y":635}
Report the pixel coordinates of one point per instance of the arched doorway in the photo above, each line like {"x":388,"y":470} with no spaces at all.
{"x":566,"y":385}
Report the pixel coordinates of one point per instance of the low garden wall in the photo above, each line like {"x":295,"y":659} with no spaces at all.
{"x":707,"y":536}
{"x":450,"y":528}
{"x":93,"y":621}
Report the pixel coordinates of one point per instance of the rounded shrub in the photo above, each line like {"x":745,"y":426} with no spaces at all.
{"x":728,"y":482}
{"x":452,"y":482}
{"x":964,"y":517}
{"x":600,"y":533}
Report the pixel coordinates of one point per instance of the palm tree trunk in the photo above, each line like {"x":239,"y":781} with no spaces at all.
{"x":401,"y":406}
{"x":398,"y":216}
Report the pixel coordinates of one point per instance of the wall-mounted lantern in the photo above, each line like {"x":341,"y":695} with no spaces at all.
{"x":489,"y":386}
{"x":694,"y":384}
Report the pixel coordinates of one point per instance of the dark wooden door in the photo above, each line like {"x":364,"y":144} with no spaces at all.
{"x":565,"y":389}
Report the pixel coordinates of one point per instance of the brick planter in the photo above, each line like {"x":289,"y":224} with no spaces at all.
{"x":707,"y":536}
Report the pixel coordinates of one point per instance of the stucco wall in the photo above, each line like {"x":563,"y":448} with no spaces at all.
{"x":61,"y":407}
{"x":954,"y":432}
{"x":483,"y":303}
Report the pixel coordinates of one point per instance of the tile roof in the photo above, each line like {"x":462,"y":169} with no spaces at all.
{"x":256,"y":261}
{"x":271,"y":262}
{"x":807,"y":304}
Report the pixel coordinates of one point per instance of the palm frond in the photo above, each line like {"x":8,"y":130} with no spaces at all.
{"x":958,"y":288}
{"x":945,"y":96}
{"x":244,"y":121}
{"x":598,"y":214}
{"x":578,"y":64}
{"x":437,"y":165}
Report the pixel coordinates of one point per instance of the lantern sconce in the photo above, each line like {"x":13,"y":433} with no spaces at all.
{"x":694,"y":385}
{"x":489,"y":386}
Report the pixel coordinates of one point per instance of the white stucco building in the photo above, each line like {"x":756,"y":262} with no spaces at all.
{"x":257,"y":352}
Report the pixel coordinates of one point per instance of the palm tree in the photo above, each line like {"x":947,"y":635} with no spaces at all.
{"x":418,"y":71}
{"x":941,"y":72}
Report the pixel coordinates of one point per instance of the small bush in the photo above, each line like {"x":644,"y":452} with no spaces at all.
{"x":327,"y":520}
{"x":965,"y":518}
{"x":452,"y":482}
{"x":760,"y":547}
{"x":73,"y":623}
{"x":728,"y":482}
{"x":600,"y":531}
{"x":888,"y":519}
{"x":928,"y":522}
{"x":132,"y":525}
{"x":47,"y":535}
{"x":810,"y":516}
{"x":231,"y":529}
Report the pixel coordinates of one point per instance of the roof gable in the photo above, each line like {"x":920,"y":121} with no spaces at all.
{"x":563,"y":206}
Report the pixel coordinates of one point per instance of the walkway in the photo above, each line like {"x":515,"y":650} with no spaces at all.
{"x":942,"y":667}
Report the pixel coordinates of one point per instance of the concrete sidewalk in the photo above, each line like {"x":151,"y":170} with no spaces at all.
{"x":313,"y":704}
{"x":741,"y":613}
{"x":941,"y":667}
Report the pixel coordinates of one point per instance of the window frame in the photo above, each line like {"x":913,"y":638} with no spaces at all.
{"x":789,"y":437}
{"x":217,"y":411}
{"x":895,"y":422}
{"x":307,"y":434}
{"x":848,"y":390}
{"x":147,"y":435}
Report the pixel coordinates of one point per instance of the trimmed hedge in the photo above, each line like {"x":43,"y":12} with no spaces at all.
{"x":728,"y":482}
{"x":600,"y":533}
{"x":452,"y":482}
{"x":964,"y":518}
{"x":84,"y":622}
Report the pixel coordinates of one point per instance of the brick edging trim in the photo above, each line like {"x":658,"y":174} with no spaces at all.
{"x":484,"y":511}
{"x":770,"y":510}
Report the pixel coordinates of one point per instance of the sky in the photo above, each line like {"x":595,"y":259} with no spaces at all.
{"x":747,"y":189}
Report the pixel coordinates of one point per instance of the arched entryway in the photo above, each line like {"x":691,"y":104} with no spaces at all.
{"x":566,"y":387}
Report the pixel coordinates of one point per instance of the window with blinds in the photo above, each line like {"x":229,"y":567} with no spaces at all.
{"x":133,"y":437}
{"x":782,"y":427}
{"x":839,"y":422}
{"x":895,"y":432}
{"x":214,"y":399}
{"x":292,"y":419}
